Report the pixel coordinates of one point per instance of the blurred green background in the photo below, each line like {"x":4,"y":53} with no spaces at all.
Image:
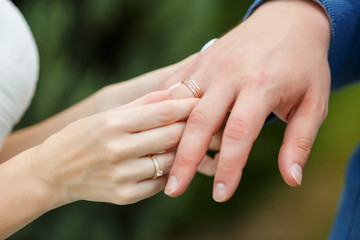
{"x":87,"y":44}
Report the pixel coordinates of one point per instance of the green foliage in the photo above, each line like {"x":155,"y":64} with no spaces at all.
{"x":85,"y":45}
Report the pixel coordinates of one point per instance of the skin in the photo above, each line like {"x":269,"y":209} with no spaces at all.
{"x":275,"y":61}
{"x":282,"y":69}
{"x":43,"y":166}
{"x":110,"y":164}
{"x":106,"y":98}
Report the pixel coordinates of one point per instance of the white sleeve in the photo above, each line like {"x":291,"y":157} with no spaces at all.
{"x":19,"y":66}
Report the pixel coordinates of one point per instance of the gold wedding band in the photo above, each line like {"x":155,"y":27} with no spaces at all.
{"x":158,"y":171}
{"x":194,"y":87}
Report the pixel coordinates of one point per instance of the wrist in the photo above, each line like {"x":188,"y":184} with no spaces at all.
{"x":300,"y":16}
{"x":24,"y":196}
{"x":40,"y":173}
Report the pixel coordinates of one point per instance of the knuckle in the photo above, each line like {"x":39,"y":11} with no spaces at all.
{"x":183,"y":161}
{"x":150,"y":97}
{"x":197,"y":120}
{"x":176,"y":93}
{"x":173,"y":95}
{"x":110,"y":151}
{"x":319,"y":107}
{"x":303,"y":144}
{"x":159,"y":186}
{"x":228,"y":65}
{"x":117,"y":152}
{"x":106,"y":125}
{"x":167,"y":164}
{"x":167,"y":114}
{"x":259,"y":76}
{"x":120,"y":175}
{"x":165,"y":85}
{"x":236,"y":130}
{"x":124,"y":196}
{"x":124,"y":152}
{"x":173,"y":137}
{"x":227,"y":167}
{"x":261,"y":79}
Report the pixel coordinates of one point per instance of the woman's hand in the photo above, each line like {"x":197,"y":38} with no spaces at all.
{"x":104,"y":157}
{"x":276,"y":61}
{"x":109,"y":97}
{"x":118,"y":94}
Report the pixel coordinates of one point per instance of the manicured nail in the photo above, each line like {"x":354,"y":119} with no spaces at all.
{"x":171,"y":185}
{"x":174,"y":86}
{"x":296,"y":172}
{"x":219,"y":194}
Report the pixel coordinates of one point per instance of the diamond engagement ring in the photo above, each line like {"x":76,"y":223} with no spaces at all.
{"x":158,"y":172}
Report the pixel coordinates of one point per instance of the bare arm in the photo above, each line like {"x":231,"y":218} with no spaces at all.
{"x":23,"y":197}
{"x":109,"y":97}
{"x":108,"y":166}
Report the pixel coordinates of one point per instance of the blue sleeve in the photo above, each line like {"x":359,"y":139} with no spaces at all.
{"x":344,"y":51}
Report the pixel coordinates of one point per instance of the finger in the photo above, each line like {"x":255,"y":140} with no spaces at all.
{"x":131,"y":193}
{"x":208,"y":165}
{"x":151,"y":141}
{"x":243,"y":127}
{"x":299,"y":137}
{"x":215,"y":143}
{"x":135,"y":170}
{"x":181,"y":91}
{"x":203,"y":122}
{"x":156,"y":115}
{"x":149,"y":98}
{"x":195,"y":86}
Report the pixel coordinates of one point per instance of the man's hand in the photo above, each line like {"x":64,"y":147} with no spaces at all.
{"x":276,"y":61}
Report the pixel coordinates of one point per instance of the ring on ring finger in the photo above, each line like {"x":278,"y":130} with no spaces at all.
{"x":193,"y":87}
{"x":158,"y":172}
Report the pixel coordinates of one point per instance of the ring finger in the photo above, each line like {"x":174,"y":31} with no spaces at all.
{"x":139,"y":169}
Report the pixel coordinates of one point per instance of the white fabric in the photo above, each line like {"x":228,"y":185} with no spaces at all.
{"x":19,"y":66}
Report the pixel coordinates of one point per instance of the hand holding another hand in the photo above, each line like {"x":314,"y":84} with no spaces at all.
{"x":105,"y":157}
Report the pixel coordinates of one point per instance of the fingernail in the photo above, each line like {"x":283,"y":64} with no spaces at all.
{"x":174,"y":86}
{"x":171,"y":185}
{"x":219,"y":194}
{"x":296,"y":172}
